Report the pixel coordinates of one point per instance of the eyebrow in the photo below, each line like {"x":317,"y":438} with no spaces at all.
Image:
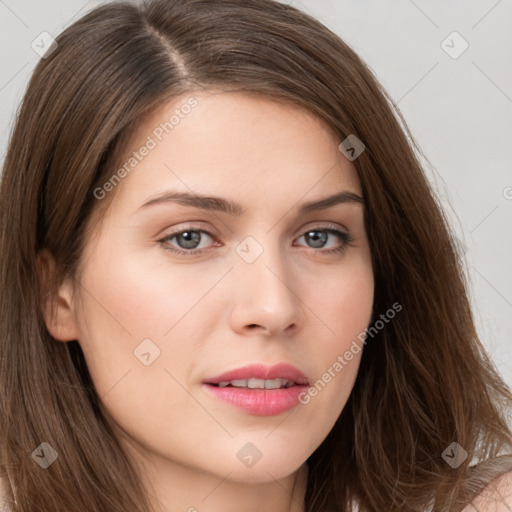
{"x":219,"y":204}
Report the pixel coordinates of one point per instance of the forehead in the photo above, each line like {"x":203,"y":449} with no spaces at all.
{"x":233,"y":144}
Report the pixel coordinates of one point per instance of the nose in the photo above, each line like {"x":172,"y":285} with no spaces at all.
{"x":266,"y":299}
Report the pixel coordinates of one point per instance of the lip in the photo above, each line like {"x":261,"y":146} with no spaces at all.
{"x":260,"y":371}
{"x":259,"y":402}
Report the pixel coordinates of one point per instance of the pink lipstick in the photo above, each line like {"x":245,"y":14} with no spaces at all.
{"x":258,"y":389}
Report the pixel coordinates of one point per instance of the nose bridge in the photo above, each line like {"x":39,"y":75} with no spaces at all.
{"x":262,"y":260}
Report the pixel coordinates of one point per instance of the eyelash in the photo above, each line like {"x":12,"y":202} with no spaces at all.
{"x":346,"y":238}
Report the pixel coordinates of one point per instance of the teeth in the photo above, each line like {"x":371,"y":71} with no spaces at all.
{"x":276,"y":383}
{"x":273,"y":384}
{"x":257,"y":383}
{"x":240,"y":383}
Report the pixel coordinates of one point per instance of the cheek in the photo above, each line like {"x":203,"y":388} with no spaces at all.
{"x":343,"y":301}
{"x":136,"y":341}
{"x":146,"y":299}
{"x":140,"y":306}
{"x":344,"y":305}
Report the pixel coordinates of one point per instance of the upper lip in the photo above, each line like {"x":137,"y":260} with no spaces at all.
{"x":260,"y":371}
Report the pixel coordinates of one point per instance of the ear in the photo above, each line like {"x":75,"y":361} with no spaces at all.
{"x":57,"y":307}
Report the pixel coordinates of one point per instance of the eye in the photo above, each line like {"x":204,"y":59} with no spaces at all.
{"x":318,"y":237}
{"x":189,"y":240}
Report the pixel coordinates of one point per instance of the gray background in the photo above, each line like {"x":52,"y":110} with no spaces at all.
{"x":458,"y":109}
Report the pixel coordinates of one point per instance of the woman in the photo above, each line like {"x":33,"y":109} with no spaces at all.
{"x":227,"y":283}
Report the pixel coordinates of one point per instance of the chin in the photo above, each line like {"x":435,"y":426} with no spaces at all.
{"x":266,"y":469}
{"x":262,"y":473}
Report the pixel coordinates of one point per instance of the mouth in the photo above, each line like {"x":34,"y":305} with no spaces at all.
{"x":254,"y":383}
{"x":259,"y":390}
{"x":258,"y":376}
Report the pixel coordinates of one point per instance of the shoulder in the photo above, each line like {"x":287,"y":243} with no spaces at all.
{"x":495,"y":497}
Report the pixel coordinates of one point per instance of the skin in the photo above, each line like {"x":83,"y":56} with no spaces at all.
{"x":214,"y":312}
{"x":495,"y":497}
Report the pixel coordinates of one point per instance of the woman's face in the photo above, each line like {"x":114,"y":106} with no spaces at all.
{"x":262,"y":283}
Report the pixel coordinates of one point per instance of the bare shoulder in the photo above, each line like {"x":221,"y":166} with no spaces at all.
{"x":496,"y":497}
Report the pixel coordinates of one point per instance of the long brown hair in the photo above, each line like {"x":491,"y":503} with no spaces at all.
{"x":424,"y":381}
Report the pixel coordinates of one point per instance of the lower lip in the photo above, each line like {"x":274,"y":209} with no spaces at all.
{"x":260,"y":402}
